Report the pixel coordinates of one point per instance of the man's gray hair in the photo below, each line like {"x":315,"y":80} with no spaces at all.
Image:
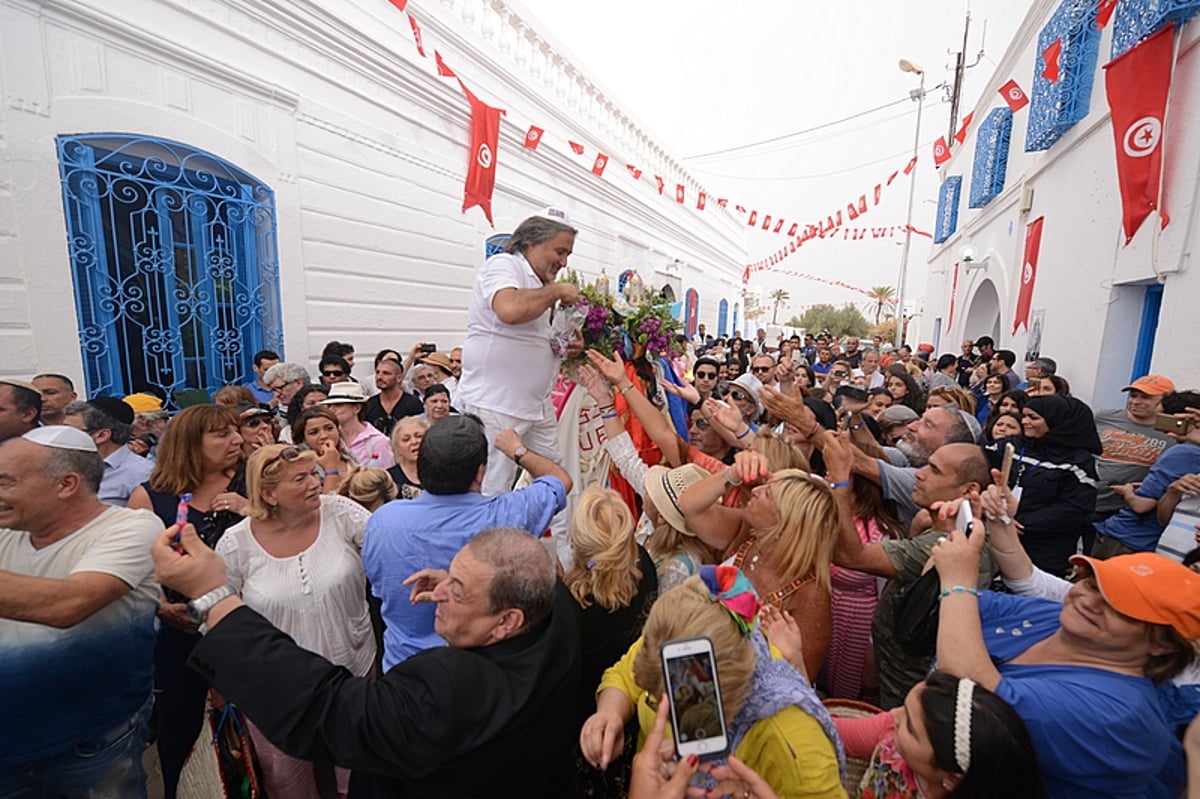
{"x":88,"y":465}
{"x":94,"y":419}
{"x":1048,"y":366}
{"x":287,"y":372}
{"x":524,"y":573}
{"x":535,"y":230}
{"x":964,"y":429}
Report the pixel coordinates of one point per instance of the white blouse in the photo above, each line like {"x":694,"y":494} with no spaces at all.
{"x":318,"y":596}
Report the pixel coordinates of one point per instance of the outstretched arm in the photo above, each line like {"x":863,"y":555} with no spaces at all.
{"x":652,"y":421}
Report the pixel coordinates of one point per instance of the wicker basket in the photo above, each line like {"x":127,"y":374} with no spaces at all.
{"x":855,"y":766}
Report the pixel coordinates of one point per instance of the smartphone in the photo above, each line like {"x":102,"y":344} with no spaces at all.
{"x":428,"y":348}
{"x":964,"y":518}
{"x":1006,"y":464}
{"x":697,"y":713}
{"x":1169,"y":423}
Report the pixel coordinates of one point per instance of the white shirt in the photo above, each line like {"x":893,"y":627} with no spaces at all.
{"x":124,"y":470}
{"x":317,"y":596}
{"x":509,"y":369}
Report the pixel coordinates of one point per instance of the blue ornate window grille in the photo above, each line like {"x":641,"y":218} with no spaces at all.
{"x":175,"y":264}
{"x":723,"y":318}
{"x":1055,"y":107}
{"x":947,"y":211}
{"x":991,"y":157}
{"x":1135,"y":20}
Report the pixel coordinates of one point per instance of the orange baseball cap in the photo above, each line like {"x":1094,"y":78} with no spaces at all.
{"x":1149,"y":587}
{"x":1154,"y":385}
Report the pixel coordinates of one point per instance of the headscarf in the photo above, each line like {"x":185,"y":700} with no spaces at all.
{"x":1069,"y":420}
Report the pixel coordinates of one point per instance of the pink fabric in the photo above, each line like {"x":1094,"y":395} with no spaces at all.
{"x":287,"y":776}
{"x":860,"y":736}
{"x":854,"y":598}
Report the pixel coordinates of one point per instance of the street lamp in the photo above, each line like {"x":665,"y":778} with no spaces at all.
{"x":919,"y":96}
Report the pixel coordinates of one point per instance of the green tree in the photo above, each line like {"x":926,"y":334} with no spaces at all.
{"x":778,"y":297}
{"x":844,"y":321}
{"x":884,"y":298}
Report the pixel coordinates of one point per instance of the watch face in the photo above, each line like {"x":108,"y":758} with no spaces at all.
{"x":194,"y":614}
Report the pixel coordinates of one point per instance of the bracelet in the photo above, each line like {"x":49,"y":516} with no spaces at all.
{"x":840,"y":484}
{"x":613,"y":415}
{"x":627,"y":388}
{"x":959,"y":589}
{"x":749,"y":430}
{"x":730,"y":480}
{"x":331,"y":471}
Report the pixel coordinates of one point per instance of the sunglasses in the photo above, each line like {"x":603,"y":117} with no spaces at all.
{"x":706,"y":375}
{"x":702,"y":424}
{"x":763,"y":369}
{"x":738,"y":396}
{"x":287,"y":455}
{"x":841,"y":374}
{"x":334,"y":373}
{"x":256,"y":421}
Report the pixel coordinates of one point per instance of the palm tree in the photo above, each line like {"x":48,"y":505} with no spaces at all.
{"x":883,"y":297}
{"x":778,"y":296}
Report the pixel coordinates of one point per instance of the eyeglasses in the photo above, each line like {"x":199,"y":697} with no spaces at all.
{"x":738,"y":396}
{"x":702,"y":424}
{"x":706,"y":375}
{"x":762,"y":369}
{"x":334,"y":373}
{"x":841,"y":374}
{"x":279,"y":388}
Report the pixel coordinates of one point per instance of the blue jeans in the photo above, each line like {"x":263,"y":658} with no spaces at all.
{"x":107,"y":767}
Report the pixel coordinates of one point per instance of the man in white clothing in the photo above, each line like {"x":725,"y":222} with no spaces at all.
{"x":508,"y":363}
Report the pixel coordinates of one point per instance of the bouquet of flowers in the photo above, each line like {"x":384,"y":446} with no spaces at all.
{"x":608,"y":324}
{"x":651,"y":329}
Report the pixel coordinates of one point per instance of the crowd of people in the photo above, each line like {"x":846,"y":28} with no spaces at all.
{"x":921,"y":576}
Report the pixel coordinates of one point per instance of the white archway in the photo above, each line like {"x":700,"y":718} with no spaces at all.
{"x":983,"y":312}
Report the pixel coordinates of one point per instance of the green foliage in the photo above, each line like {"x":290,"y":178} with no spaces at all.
{"x":844,"y":321}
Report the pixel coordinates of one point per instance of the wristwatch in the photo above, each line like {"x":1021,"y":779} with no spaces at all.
{"x":520,"y":452}
{"x":199,"y":607}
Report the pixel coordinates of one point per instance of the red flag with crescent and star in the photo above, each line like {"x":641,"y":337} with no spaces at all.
{"x":1014,"y":96}
{"x":1033,"y":245}
{"x":941,"y":152}
{"x":534,"y":137}
{"x":1137,"y":84}
{"x":481,"y":170}
{"x":1051,"y":56}
{"x":599,"y":164}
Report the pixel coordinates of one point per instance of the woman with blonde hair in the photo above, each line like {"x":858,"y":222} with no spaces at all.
{"x":783,"y":539}
{"x":370,"y":487}
{"x":406,"y":438}
{"x":951,"y":395}
{"x":614,"y":581}
{"x":296,"y":559}
{"x":775,"y":722}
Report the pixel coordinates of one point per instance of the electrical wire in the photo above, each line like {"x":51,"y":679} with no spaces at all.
{"x":794,"y":134}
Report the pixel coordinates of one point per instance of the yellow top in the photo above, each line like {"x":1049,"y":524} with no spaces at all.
{"x":790,"y":749}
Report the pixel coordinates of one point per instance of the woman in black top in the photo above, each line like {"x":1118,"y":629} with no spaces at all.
{"x":200,"y":454}
{"x":406,"y":443}
{"x":614,"y":581}
{"x":1055,"y":467}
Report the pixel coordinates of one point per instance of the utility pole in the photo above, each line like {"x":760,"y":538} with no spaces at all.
{"x":960,"y":69}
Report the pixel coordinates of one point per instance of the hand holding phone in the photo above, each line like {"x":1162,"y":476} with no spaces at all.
{"x":697,"y":711}
{"x":965,"y":517}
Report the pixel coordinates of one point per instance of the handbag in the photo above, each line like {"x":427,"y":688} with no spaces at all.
{"x":915,"y":622}
{"x":222,"y":764}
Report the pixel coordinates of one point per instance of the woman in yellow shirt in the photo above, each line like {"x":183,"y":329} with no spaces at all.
{"x":776,"y":724}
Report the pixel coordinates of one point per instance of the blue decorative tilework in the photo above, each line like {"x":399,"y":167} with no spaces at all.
{"x":947,"y":212}
{"x":991,"y":157}
{"x":1135,"y":20}
{"x":1055,"y":107}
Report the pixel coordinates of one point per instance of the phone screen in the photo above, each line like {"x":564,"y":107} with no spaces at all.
{"x":696,"y":707}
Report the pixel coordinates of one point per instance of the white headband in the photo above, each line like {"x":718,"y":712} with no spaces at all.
{"x":962,"y":724}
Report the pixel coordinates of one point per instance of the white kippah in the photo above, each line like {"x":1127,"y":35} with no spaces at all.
{"x":61,"y":436}
{"x":962,"y":724}
{"x":557,"y":214}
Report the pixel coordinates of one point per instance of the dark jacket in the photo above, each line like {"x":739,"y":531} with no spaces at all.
{"x":496,"y":721}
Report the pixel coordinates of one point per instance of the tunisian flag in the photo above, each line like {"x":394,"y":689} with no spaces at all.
{"x":481,"y":171}
{"x":1033,"y":245}
{"x":1137,"y":84}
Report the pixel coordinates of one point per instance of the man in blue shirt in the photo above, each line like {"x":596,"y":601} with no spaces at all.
{"x":109,"y":422}
{"x":1136,"y":527}
{"x":263,"y":360}
{"x":406,"y":536}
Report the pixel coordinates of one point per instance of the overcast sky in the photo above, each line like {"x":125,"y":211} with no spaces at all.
{"x":704,"y":76}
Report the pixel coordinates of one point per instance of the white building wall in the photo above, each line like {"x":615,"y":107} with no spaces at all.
{"x":365,"y":148}
{"x":1090,"y":285}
